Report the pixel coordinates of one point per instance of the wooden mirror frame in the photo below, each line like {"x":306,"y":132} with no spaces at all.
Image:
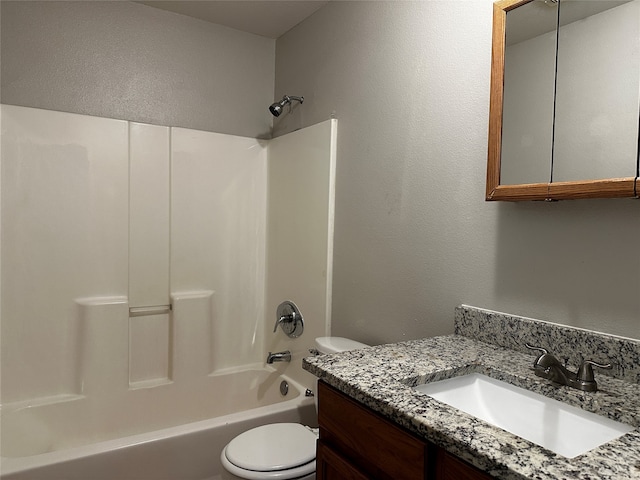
{"x":604,"y":188}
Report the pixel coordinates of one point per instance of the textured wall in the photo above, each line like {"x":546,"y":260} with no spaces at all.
{"x":130,"y":61}
{"x":409,"y":84}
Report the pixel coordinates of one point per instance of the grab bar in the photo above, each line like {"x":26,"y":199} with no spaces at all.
{"x":151,"y":310}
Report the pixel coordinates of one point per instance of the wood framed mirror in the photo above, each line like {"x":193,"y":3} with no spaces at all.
{"x":556,"y":130}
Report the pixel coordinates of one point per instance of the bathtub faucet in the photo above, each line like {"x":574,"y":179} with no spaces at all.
{"x":279,"y":357}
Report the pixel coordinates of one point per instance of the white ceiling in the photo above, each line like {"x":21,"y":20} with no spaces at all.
{"x":269,"y":18}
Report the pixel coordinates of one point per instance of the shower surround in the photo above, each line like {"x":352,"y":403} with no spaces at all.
{"x":138,"y":258}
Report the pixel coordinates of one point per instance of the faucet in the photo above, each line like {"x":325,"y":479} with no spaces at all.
{"x":279,"y":357}
{"x":549,"y":367}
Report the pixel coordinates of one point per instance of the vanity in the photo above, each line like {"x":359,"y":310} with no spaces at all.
{"x":357,"y":443}
{"x":376,"y":423}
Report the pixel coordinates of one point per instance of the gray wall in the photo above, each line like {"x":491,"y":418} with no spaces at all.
{"x":130,"y":61}
{"x":409,"y":84}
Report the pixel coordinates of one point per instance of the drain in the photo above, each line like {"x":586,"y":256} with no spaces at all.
{"x":284,"y":388}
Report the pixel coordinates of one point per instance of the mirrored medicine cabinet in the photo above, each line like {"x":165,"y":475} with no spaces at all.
{"x":565,"y":100}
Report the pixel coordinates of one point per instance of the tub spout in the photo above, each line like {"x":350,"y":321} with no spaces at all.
{"x":279,"y":357}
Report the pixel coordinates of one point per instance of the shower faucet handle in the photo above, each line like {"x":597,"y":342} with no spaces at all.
{"x":288,"y":316}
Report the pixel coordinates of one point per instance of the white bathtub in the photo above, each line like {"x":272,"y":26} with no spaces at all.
{"x":166,"y":432}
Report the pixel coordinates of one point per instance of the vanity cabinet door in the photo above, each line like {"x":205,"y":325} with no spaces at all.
{"x":330,"y":465}
{"x":449,"y":467}
{"x":373,"y":444}
{"x":357,"y":443}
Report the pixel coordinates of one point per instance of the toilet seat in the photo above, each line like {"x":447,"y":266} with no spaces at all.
{"x":275,"y":451}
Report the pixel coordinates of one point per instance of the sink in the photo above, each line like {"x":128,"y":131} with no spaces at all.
{"x":561,"y":428}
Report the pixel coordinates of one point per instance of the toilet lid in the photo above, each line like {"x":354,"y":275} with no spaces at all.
{"x":273,"y":447}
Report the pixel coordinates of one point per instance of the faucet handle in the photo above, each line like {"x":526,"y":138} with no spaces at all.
{"x":543,"y":351}
{"x":585,"y":372}
{"x":531,"y":347}
{"x":538,"y":362}
{"x":288,"y":315}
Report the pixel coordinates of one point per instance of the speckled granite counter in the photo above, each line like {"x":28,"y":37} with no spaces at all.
{"x":382,"y":377}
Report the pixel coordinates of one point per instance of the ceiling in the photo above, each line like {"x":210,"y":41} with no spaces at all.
{"x":268,"y":18}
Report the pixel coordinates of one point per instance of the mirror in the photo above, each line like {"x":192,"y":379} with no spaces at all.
{"x":565,"y":96}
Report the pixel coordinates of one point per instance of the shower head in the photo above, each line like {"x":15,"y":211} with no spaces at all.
{"x":276,"y":108}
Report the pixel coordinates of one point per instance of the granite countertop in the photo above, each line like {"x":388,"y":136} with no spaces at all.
{"x":382,"y":378}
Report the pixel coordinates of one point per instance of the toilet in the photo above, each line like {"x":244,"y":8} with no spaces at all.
{"x":283,"y":451}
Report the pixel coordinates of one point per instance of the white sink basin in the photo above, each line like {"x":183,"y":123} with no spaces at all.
{"x":561,"y":428}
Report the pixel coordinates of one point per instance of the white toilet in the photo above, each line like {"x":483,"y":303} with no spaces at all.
{"x":283,"y":451}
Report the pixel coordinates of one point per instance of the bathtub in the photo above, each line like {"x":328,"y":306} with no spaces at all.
{"x":165,"y":432}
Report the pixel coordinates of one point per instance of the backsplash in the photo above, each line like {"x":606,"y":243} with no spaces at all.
{"x":574,"y":344}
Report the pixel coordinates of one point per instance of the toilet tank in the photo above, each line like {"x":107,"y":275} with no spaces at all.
{"x":326,"y":345}
{"x":337,"y":344}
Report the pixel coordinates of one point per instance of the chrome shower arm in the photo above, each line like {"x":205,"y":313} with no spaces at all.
{"x":289,"y":98}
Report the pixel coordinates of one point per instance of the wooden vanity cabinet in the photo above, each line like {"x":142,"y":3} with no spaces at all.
{"x":357,"y":443}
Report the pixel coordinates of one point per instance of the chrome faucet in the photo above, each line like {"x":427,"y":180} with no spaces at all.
{"x":549,"y":367}
{"x":279,"y":357}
